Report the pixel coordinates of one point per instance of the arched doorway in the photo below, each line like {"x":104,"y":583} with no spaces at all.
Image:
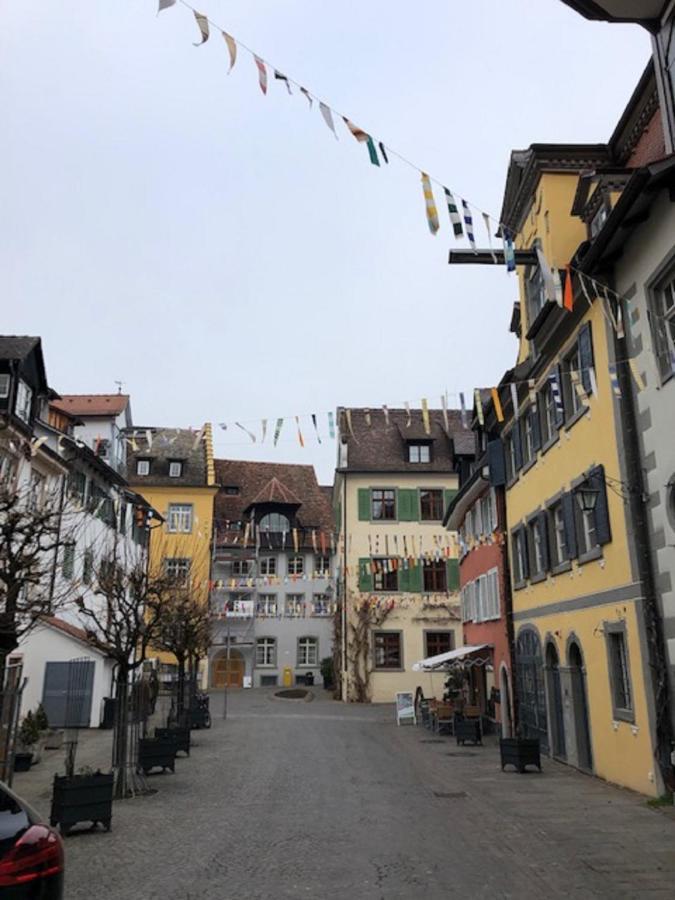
{"x":505,"y":702}
{"x":580,"y":707}
{"x":530,"y":687}
{"x":555,"y":701}
{"x":226,"y":672}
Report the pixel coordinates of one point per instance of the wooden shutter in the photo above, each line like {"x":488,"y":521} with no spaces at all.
{"x":526,"y":551}
{"x":517,"y":445}
{"x":407,"y":503}
{"x":596,"y":481}
{"x":496,"y":463}
{"x":449,"y":495}
{"x":365,"y":575}
{"x":545,"y":556}
{"x":364,"y":504}
{"x":416,"y":578}
{"x":404,"y":577}
{"x":567,"y":503}
{"x":453,"y":574}
{"x":586,"y":355}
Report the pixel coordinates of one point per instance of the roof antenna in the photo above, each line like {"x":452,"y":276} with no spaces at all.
{"x":119,"y":386}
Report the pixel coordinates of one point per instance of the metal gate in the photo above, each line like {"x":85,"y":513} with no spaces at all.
{"x":63,"y":698}
{"x":530,"y":687}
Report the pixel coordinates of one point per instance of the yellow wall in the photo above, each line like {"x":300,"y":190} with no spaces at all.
{"x":622,"y":752}
{"x":408,"y":611}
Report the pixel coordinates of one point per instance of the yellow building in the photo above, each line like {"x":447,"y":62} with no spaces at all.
{"x":398,"y":569}
{"x":173,"y":469}
{"x":582,"y":672}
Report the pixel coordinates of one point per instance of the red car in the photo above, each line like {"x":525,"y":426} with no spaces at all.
{"x":31,"y":853}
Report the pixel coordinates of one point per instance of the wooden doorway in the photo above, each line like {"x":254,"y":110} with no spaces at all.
{"x":226,"y":672}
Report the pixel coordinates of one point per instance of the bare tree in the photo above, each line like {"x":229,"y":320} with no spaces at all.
{"x":122,"y":618}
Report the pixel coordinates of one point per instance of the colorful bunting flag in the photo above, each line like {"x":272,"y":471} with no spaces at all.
{"x":614,"y":380}
{"x":430,"y":205}
{"x":620,"y":333}
{"x":281,"y":77}
{"x":425,"y":416}
{"x":557,"y":287}
{"x":363,"y":137}
{"x":468,"y":224}
{"x":462,"y":404}
{"x":367,"y":417}
{"x":383,"y":152}
{"x":547,"y":275}
{"x":639,"y":380}
{"x":568,"y":295}
{"x":277,"y":430}
{"x":328,"y":118}
{"x":509,"y":251}
{"x":300,"y":437}
{"x":246,"y":431}
{"x":203,"y":24}
{"x":514,"y":399}
{"x":308,"y":95}
{"x":479,"y":406}
{"x":453,"y":212}
{"x":232,"y":49}
{"x":148,"y":438}
{"x":486,"y":219}
{"x":444,"y":409}
{"x":408,"y":415}
{"x":316,"y":427}
{"x":584,"y":288}
{"x":331,"y":425}
{"x":594,"y":383}
{"x":264,"y":430}
{"x":262,"y":73}
{"x":222,"y":425}
{"x":497,"y":404}
{"x":165,"y":4}
{"x":385,"y":412}
{"x":556,"y":393}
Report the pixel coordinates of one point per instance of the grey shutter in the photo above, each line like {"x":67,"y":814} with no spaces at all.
{"x":517,"y":446}
{"x":586,"y":356}
{"x":526,"y":552}
{"x":496,"y":463}
{"x":596,"y":481}
{"x":559,"y":413}
{"x":536,"y":430}
{"x":545,"y":556}
{"x":567,"y":503}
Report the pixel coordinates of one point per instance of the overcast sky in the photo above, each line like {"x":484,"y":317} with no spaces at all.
{"x":218,"y":251}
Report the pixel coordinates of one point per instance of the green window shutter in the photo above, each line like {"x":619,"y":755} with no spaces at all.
{"x":408,"y":505}
{"x":453,"y":574}
{"x":415,"y":579}
{"x":365,"y":575}
{"x":364,"y":504}
{"x":448,"y":497}
{"x":403,"y":577}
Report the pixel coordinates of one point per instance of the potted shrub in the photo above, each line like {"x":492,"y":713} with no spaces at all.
{"x":51,"y":737}
{"x":84,"y":797}
{"x":157,"y":752}
{"x":327,"y":673}
{"x":27,"y":741}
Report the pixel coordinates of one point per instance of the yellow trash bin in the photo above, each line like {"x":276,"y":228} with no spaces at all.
{"x":288,"y":676}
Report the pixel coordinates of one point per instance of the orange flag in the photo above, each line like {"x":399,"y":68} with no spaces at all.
{"x":568,"y":295}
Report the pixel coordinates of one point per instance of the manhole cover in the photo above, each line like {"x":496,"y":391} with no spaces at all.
{"x":460,"y":753}
{"x":292,"y":694}
{"x":450,"y":795}
{"x":433,"y":741}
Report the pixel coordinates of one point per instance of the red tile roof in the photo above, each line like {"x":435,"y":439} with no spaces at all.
{"x":67,"y":628}
{"x":92,"y":404}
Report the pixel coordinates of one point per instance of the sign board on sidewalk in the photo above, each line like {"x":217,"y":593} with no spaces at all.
{"x":405,"y":708}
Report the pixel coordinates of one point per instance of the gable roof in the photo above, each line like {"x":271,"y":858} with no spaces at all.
{"x":254,"y":480}
{"x":164,"y":445}
{"x":381,"y":447}
{"x":17,"y":346}
{"x":71,"y":630}
{"x":276,"y":492}
{"x":92,"y":404}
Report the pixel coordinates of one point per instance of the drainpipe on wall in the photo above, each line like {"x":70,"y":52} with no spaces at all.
{"x":637,"y":500}
{"x":508,"y":608}
{"x":55,"y":561}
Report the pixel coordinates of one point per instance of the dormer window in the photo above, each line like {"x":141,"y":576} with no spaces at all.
{"x":4,"y":386}
{"x":24,"y":399}
{"x":231,"y":490}
{"x":419,"y":453}
{"x":175,"y":468}
{"x":142,"y":466}
{"x":274,"y":521}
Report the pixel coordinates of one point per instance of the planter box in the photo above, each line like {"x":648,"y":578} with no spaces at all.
{"x":200,"y":717}
{"x":82,"y":798}
{"x":23,"y":760}
{"x":520,"y":752}
{"x":156,"y":753}
{"x":468,"y":730}
{"x":180,"y":737}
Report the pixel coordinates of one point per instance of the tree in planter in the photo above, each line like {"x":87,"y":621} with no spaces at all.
{"x":185,"y":631}
{"x":122,"y":619}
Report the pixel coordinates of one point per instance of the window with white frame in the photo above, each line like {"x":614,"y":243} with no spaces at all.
{"x":175,"y":468}
{"x":320,"y":605}
{"x":267,"y":565}
{"x":179,"y":518}
{"x":322,"y":564}
{"x":4,"y":385}
{"x":558,"y":533}
{"x":528,"y":438}
{"x":242,"y":567}
{"x":519,"y":556}
{"x":536,"y":538}
{"x":295,"y":606}
{"x":549,"y":418}
{"x":142,"y":466}
{"x":419,"y":453}
{"x":24,"y":399}
{"x":267,"y":605}
{"x":265,"y":651}
{"x":296,"y":565}
{"x":177,"y":568}
{"x":663,"y":326}
{"x":619,"y":670}
{"x":308,"y":651}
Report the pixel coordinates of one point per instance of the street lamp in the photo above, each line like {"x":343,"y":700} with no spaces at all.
{"x":587,"y":497}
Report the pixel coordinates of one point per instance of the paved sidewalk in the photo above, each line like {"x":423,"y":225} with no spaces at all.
{"x":334,"y":802}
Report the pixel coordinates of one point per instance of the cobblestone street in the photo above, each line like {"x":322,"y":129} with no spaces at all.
{"x":323,"y":800}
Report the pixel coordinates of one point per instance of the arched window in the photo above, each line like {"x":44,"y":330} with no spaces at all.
{"x":274,"y":521}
